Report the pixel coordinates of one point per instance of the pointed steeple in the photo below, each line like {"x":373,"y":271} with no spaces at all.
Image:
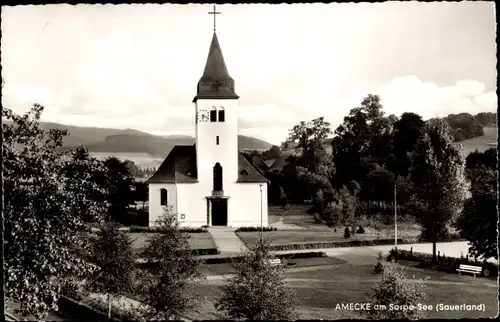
{"x":215,"y":82}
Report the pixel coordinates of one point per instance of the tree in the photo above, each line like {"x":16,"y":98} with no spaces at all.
{"x":313,"y":165}
{"x":258,"y":291}
{"x":394,"y":289}
{"x":439,"y":184}
{"x":43,"y":217}
{"x":89,"y":195}
{"x":378,"y":186}
{"x":141,"y":192}
{"x":478,"y":221}
{"x":363,"y":137}
{"x":119,"y":186}
{"x":133,"y":169}
{"x":112,"y":253}
{"x":168,"y":286}
{"x":407,"y":132}
{"x":275,"y":152}
{"x":477,"y":159}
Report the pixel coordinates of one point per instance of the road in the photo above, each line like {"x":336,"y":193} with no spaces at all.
{"x":450,"y":249}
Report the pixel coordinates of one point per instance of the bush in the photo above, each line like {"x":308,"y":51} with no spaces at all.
{"x":378,"y":268}
{"x":347,"y":232}
{"x":254,"y":228}
{"x":317,"y":218}
{"x":443,"y":264}
{"x":338,"y":244}
{"x":205,"y":251}
{"x":228,"y":260}
{"x":139,"y":229}
{"x":360,"y":230}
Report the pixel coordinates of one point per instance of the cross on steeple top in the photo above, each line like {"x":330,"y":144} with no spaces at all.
{"x":214,"y":13}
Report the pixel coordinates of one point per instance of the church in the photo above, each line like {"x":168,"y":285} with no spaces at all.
{"x":211,"y":183}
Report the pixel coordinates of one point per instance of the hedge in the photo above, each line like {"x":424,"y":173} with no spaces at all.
{"x":139,"y":229}
{"x":442,"y":263}
{"x":228,"y":260}
{"x":338,"y":244}
{"x":254,"y":228}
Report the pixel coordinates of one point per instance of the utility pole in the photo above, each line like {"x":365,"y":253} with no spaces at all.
{"x":395,"y":220}
{"x":261,"y":221}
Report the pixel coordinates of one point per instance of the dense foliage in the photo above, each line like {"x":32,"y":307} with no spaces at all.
{"x":439,"y":183}
{"x":49,"y":197}
{"x":258,"y":291}
{"x":465,"y":126}
{"x":394,"y":289}
{"x":112,"y":254}
{"x":119,"y":187}
{"x":167,"y":288}
{"x":478,"y":221}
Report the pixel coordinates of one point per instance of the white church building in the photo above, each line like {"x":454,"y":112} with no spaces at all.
{"x":211,"y":183}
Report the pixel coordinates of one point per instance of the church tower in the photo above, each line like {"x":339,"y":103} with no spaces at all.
{"x":216,"y":122}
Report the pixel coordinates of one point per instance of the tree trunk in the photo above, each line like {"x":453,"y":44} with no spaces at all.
{"x":109,"y":306}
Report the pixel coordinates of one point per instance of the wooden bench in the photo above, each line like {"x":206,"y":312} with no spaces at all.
{"x":469,"y":269}
{"x":274,"y":262}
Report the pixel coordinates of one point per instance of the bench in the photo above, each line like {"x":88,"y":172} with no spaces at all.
{"x":274,"y":262}
{"x":469,"y":269}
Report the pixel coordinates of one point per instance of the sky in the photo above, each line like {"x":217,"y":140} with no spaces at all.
{"x":137,"y":66}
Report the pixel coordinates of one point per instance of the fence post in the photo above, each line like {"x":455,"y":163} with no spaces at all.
{"x":439,"y":253}
{"x":411,"y":251}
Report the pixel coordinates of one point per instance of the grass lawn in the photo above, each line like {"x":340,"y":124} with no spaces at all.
{"x":321,"y":290}
{"x":283,"y":237}
{"x":196,"y":240}
{"x":225,"y":268}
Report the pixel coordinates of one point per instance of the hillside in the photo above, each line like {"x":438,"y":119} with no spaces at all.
{"x":108,"y":141}
{"x":481,"y":143}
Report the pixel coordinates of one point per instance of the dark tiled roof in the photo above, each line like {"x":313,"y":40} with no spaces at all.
{"x":215,"y":82}
{"x":278,"y":164}
{"x":246,"y":172}
{"x":180,"y":167}
{"x":259,"y":164}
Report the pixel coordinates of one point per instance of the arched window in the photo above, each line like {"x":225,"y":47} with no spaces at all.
{"x":164,"y":197}
{"x":213,"y":114}
{"x":217,"y":177}
{"x":222,"y":115}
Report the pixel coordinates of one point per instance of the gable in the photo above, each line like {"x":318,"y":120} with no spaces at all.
{"x":180,"y":167}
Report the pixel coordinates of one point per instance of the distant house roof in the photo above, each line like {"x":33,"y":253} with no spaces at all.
{"x":180,"y":167}
{"x":259,"y":164}
{"x":269,"y":163}
{"x":278,"y":164}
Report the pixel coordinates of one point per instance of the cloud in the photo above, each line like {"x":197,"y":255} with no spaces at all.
{"x":429,"y":100}
{"x":137,"y":66}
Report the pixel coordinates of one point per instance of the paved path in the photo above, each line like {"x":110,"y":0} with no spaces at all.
{"x":451,"y":249}
{"x":226,"y":240}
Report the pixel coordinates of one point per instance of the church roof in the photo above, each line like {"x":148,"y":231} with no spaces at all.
{"x":180,"y":167}
{"x":215,"y":82}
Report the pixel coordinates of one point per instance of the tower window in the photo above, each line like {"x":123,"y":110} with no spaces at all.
{"x":217,"y":177}
{"x":213,"y":114}
{"x":221,"y":114}
{"x":217,"y":140}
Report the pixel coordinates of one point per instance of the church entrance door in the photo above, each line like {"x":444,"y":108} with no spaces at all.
{"x":219,"y":212}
